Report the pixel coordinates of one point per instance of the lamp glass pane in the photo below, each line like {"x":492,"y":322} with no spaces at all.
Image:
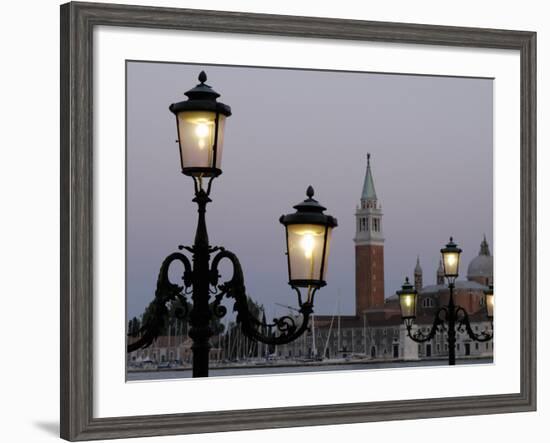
{"x":451,"y":260}
{"x":196,"y":138}
{"x":305,"y":251}
{"x":408,"y":305}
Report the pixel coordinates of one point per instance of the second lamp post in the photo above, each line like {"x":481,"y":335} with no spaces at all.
{"x":447,"y":318}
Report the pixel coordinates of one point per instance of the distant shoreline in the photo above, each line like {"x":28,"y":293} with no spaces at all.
{"x":314,"y":364}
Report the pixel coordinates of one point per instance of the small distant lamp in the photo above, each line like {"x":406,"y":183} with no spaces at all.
{"x":489,"y":301}
{"x":407,"y":301}
{"x":451,"y":260}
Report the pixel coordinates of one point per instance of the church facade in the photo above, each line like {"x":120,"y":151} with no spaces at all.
{"x":376,"y":331}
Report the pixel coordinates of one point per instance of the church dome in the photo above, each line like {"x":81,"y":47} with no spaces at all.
{"x":481,"y":267}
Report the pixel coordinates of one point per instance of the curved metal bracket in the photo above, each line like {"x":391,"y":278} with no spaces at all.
{"x":464,"y":324}
{"x":283,"y":330}
{"x":166,"y":291}
{"x":420,"y":337}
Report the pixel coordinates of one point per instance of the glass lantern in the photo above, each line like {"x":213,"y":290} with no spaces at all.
{"x":308,"y":236}
{"x":201,"y":123}
{"x":489,"y":301}
{"x":407,"y":301}
{"x":451,"y":259}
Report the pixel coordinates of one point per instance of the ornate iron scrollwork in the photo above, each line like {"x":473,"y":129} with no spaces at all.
{"x":165,"y":292}
{"x":281,"y":331}
{"x":438,"y":325}
{"x":460,"y":316}
{"x":465,"y":326}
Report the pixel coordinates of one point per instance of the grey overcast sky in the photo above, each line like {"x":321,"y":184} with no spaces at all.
{"x":431,"y":141}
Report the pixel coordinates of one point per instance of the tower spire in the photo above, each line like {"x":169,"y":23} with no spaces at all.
{"x":418,"y":268}
{"x":484,"y":247}
{"x":418,"y":274}
{"x":369,"y":193}
{"x":440,"y":279}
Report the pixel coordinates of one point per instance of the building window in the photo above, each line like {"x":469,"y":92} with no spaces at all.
{"x":427,"y":302}
{"x":477,"y":346}
{"x":384,"y":331}
{"x":366,"y":223}
{"x":446,"y":347}
{"x":437,"y":347}
{"x":458,"y":346}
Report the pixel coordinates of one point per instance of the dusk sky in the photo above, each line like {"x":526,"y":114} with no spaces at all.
{"x":431,"y":145}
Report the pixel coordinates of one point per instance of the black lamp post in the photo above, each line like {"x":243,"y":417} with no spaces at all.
{"x":452,"y":315}
{"x":200,"y":122}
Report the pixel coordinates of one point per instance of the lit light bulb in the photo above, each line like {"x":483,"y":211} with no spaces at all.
{"x":451,"y":259}
{"x":202,"y":131}
{"x":307,"y":244}
{"x":408,"y":301}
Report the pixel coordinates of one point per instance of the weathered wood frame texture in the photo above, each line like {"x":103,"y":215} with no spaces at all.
{"x":77,"y":24}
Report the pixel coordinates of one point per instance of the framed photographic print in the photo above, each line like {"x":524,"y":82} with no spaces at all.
{"x":274,"y":221}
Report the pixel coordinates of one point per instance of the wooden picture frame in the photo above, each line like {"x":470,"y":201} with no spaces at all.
{"x":77,"y":23}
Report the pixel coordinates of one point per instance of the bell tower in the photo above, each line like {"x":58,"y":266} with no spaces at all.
{"x":369,"y":248}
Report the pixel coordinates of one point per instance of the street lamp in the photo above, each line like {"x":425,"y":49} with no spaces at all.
{"x":451,"y":260}
{"x":308,"y":234}
{"x":407,"y":301}
{"x":200,"y":124}
{"x":455,"y":317}
{"x":489,"y":301}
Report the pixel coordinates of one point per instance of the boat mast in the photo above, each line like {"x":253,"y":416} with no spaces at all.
{"x":339,"y":334}
{"x":313,"y":347}
{"x":328,"y":337}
